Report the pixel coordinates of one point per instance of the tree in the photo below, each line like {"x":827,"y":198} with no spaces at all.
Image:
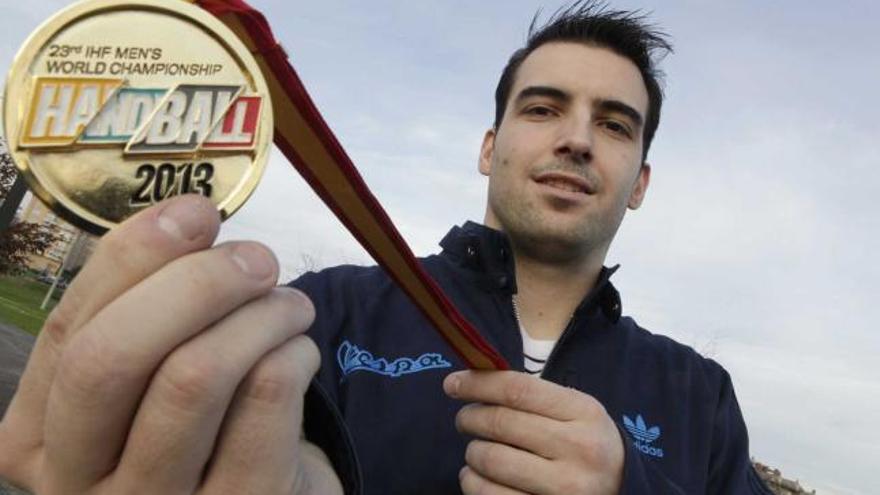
{"x":21,"y":238}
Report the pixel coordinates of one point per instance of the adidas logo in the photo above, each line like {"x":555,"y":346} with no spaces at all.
{"x":642,"y":435}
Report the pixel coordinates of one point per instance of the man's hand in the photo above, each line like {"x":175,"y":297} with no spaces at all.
{"x":169,"y":367}
{"x":534,"y":436}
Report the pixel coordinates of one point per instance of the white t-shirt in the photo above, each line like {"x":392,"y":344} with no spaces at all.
{"x":535,"y":352}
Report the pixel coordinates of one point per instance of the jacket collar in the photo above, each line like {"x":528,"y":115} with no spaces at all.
{"x":486,"y":253}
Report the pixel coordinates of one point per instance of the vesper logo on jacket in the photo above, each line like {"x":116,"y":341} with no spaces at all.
{"x":351,"y":358}
{"x":87,"y":112}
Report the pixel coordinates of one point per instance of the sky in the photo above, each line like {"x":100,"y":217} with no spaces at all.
{"x":756,"y":244}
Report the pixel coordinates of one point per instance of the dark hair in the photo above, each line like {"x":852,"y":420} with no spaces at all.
{"x":626,"y":33}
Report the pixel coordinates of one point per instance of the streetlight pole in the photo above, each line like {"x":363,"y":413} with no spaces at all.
{"x":16,"y":193}
{"x":60,"y":271}
{"x":10,"y":204}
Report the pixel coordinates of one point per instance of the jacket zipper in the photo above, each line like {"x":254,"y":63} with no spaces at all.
{"x":559,"y":342}
{"x":565,"y":333}
{"x":514,"y":310}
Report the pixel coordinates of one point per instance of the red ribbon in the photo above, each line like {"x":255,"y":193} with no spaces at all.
{"x":309,"y":144}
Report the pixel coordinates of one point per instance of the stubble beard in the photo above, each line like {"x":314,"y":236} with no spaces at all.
{"x":534,"y":235}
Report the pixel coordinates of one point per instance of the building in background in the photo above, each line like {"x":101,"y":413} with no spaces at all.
{"x":75,"y":244}
{"x":779,"y":484}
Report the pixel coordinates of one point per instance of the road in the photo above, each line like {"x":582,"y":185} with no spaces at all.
{"x":15,"y":346}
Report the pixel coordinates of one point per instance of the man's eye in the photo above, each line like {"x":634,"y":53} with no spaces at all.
{"x":617,"y":128}
{"x":539,"y":111}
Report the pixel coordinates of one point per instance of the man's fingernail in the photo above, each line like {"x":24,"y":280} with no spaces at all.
{"x":298,"y":297}
{"x":254,"y":260}
{"x":184,"y":218}
{"x":451,"y":384}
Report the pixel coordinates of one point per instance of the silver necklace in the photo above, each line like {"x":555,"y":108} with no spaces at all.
{"x":513,"y":298}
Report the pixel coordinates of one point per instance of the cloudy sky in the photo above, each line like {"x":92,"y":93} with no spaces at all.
{"x":757,"y":243}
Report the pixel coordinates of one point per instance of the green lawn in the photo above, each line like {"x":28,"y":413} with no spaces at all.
{"x":20,"y":300}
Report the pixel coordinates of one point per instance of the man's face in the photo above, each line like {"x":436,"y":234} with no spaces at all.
{"x":566,"y":160}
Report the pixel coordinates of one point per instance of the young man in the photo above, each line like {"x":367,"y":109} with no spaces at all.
{"x":171,"y":366}
{"x":616,"y":409}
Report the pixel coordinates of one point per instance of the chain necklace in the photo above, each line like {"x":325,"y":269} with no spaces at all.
{"x":516,"y":314}
{"x":514,"y":299}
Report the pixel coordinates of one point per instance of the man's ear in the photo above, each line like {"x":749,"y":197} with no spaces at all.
{"x":640,"y":187}
{"x":486,"y":152}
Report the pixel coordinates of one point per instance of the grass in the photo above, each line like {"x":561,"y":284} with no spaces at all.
{"x":20,"y":300}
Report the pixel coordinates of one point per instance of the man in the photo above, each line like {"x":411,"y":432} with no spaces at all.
{"x":174,"y":367}
{"x":618,"y":409}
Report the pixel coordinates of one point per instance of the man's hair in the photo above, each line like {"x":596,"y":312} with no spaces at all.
{"x":626,"y":33}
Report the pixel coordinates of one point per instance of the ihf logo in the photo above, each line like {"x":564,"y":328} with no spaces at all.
{"x":643,"y":435}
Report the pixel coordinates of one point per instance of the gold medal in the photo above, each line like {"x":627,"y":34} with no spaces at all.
{"x":111,"y":107}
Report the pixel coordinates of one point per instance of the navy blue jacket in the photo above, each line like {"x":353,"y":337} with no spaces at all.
{"x":383,"y":366}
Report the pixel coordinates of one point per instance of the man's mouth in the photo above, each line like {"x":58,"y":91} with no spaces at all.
{"x":564,"y":185}
{"x":565,"y":182}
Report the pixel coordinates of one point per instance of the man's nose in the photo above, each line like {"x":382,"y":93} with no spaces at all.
{"x":576,"y":139}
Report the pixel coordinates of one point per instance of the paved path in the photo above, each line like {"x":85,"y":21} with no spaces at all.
{"x":15,"y":346}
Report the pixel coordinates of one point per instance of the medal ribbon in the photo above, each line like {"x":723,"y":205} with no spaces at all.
{"x":306,"y":140}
